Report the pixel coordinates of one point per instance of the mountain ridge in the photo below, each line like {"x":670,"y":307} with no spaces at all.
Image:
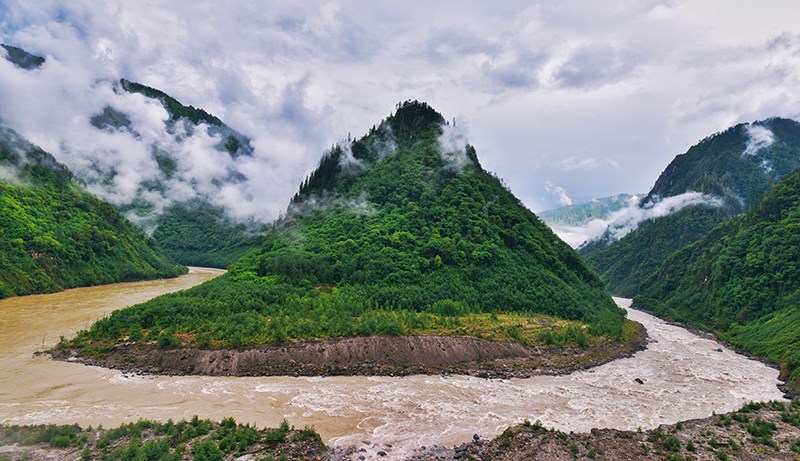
{"x":729,"y":167}
{"x":56,"y":235}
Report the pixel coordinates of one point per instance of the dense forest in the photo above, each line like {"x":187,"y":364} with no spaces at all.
{"x":56,"y":235}
{"x":394,"y":233}
{"x":197,"y":233}
{"x":193,"y":232}
{"x":144,"y":440}
{"x":741,"y":280}
{"x":727,"y":166}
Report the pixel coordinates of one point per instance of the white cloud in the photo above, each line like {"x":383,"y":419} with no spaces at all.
{"x":621,"y":222}
{"x":635,"y":83}
{"x":760,"y":137}
{"x":563,"y":198}
{"x":453,"y":146}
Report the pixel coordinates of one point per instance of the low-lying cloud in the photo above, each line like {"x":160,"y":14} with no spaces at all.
{"x":621,"y":222}
{"x":760,"y":137}
{"x":453,"y":145}
{"x":147,"y":162}
{"x":563,"y":198}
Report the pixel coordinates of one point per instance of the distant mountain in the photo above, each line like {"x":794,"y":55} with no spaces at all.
{"x":399,"y":232}
{"x":742,"y":280}
{"x":183,"y":229}
{"x":55,"y":235}
{"x":163,"y":172}
{"x":578,"y":224}
{"x":22,"y":58}
{"x":582,"y":213}
{"x":716,"y":179}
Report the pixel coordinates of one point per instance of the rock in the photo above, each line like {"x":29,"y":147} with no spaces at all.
{"x":639,"y":380}
{"x":381,"y":453}
{"x":476,"y":437}
{"x":719,"y":349}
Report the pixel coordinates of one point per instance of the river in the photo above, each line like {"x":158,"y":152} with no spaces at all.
{"x":684,"y":376}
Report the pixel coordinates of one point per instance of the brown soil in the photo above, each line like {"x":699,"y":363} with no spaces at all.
{"x":371,"y":355}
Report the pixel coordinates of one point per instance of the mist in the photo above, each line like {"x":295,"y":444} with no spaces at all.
{"x":123,"y":163}
{"x":760,"y":137}
{"x":621,"y":222}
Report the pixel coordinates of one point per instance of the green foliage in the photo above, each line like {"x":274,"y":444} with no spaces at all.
{"x":197,"y":233}
{"x":716,"y":166}
{"x":397,"y":242}
{"x":207,"y":450}
{"x":55,"y":235}
{"x":154,"y":441}
{"x":742,"y":280}
{"x":175,"y":108}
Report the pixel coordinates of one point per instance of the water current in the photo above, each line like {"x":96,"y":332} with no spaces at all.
{"x":683,"y":376}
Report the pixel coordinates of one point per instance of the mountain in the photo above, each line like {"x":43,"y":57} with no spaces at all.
{"x":174,"y":170}
{"x":55,"y":235}
{"x":399,"y":232}
{"x":584,"y":222}
{"x":22,"y":58}
{"x":582,"y":213}
{"x":742,"y":280}
{"x":718,"y":178}
{"x":183,"y":229}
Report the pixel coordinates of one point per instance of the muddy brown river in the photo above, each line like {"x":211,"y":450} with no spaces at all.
{"x":684,"y":376}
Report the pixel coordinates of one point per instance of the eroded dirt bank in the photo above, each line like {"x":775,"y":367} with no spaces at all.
{"x":373,"y":355}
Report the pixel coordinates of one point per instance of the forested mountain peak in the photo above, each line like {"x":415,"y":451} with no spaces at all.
{"x":413,"y":122}
{"x":393,"y":233}
{"x":737,"y":164}
{"x":716,"y":179}
{"x":742,"y":280}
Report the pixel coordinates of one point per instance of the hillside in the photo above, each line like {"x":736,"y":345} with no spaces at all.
{"x":165,"y":173}
{"x":718,"y":178}
{"x":401,"y":232}
{"x":192,"y":231}
{"x":742,"y":280}
{"x":55,"y":235}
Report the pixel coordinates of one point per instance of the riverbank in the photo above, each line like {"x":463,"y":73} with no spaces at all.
{"x":366,"y":356}
{"x":756,"y":431}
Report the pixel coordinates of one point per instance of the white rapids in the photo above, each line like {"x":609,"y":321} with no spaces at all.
{"x":683,"y":376}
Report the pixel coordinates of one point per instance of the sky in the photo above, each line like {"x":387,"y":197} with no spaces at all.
{"x":565,"y":100}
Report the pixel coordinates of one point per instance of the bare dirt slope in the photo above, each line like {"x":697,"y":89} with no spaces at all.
{"x":371,"y":355}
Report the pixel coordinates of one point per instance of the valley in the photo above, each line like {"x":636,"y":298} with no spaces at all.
{"x":683,"y":376}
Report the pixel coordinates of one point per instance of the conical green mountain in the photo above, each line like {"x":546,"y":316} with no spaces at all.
{"x":401,"y":231}
{"x":732,"y":169}
{"x":742,"y":280}
{"x":56,"y":235}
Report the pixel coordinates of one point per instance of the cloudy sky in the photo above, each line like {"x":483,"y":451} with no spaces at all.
{"x":566,"y":100}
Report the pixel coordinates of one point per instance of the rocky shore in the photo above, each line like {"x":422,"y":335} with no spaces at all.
{"x":758,"y":431}
{"x":372,"y":355}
